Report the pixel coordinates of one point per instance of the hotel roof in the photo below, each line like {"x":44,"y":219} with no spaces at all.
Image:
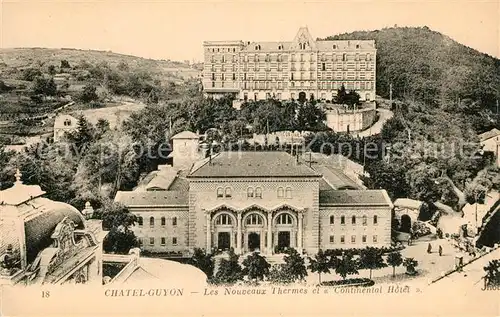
{"x":252,"y":164}
{"x":354,"y":197}
{"x":152,"y":198}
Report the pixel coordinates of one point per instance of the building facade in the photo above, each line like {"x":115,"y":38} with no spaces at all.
{"x":286,"y":70}
{"x":256,"y":201}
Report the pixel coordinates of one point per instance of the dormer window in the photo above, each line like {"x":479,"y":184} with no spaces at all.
{"x":357,"y":45}
{"x":280,"y":47}
{"x":257,"y":47}
{"x":334,"y":46}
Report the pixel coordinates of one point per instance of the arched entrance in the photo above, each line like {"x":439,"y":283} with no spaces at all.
{"x":285,"y":225}
{"x":255,"y":234}
{"x":224,"y":226}
{"x":302,"y":96}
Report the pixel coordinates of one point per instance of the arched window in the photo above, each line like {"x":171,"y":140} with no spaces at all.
{"x":67,"y":122}
{"x":342,"y":220}
{"x":223,"y":219}
{"x":281,"y":192}
{"x":163,"y":221}
{"x":353,"y":220}
{"x":332,"y":220}
{"x":365,"y":221}
{"x":174,"y":221}
{"x":254,"y":219}
{"x":284,"y":219}
{"x":288,"y":192}
{"x":228,"y":192}
{"x":250,"y":192}
{"x":375,"y":219}
{"x":258,"y":192}
{"x":151,"y":221}
{"x":140,"y":221}
{"x":220,"y":192}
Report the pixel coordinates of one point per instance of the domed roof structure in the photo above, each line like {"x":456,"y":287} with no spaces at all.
{"x":38,"y":229}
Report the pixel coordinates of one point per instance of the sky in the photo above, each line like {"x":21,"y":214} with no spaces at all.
{"x":176,"y":29}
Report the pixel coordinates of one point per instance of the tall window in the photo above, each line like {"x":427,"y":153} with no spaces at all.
{"x":220,"y":192}
{"x":375,"y":239}
{"x":332,"y":239}
{"x":288,"y":192}
{"x":342,"y":239}
{"x":375,"y":219}
{"x":163,"y":221}
{"x":151,"y":241}
{"x":281,"y":192}
{"x":234,"y":76}
{"x":363,"y":239}
{"x":174,"y":221}
{"x":250,"y":192}
{"x":228,"y":192}
{"x":284,"y":219}
{"x":163,"y":241}
{"x":140,"y":221}
{"x":151,"y":221}
{"x":223,"y":219}
{"x":353,"y":220}
{"x":365,"y":222}
{"x":332,"y":220}
{"x":344,"y":57}
{"x":258,"y":192}
{"x":174,"y":241}
{"x":342,"y":220}
{"x":353,"y":239}
{"x":223,"y":59}
{"x":323,"y":66}
{"x":213,"y":76}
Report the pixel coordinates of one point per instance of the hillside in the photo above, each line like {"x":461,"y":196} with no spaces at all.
{"x":14,"y":59}
{"x":428,"y":66}
{"x":36,"y":82}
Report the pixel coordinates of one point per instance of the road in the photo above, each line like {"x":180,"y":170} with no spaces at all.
{"x":376,"y":128}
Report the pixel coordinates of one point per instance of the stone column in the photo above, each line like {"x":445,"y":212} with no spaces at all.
{"x":209,"y":234}
{"x":238,"y":236}
{"x":269,"y":233}
{"x":299,"y":232}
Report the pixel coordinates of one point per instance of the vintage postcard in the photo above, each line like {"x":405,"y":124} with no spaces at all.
{"x":250,"y":158}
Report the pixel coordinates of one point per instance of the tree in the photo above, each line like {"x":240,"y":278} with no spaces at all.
{"x":294,"y":265}
{"x":31,"y":73}
{"x":394,"y":259}
{"x":320,"y":264}
{"x":52,"y":69}
{"x":345,"y":265}
{"x":341,"y":95}
{"x":44,"y":86}
{"x":203,"y":261}
{"x":88,"y":93}
{"x":256,"y":267}
{"x":492,"y":271}
{"x":118,"y":220}
{"x":371,"y":258}
{"x":83,"y":136}
{"x":229,"y":271}
{"x":310,"y":117}
{"x":410,"y":264}
{"x":65,"y":64}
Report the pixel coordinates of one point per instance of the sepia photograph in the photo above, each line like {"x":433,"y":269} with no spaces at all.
{"x":249,"y":158}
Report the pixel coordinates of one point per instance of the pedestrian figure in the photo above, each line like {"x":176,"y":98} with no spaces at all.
{"x":429,"y":248}
{"x":440,"y":250}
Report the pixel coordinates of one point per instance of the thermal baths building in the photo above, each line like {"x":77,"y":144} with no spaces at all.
{"x":285,"y":70}
{"x":251,"y":201}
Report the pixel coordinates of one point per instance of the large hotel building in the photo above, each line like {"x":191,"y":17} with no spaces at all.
{"x":285,"y":70}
